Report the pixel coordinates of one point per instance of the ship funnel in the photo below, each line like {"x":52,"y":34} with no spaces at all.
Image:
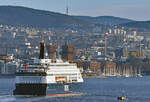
{"x":42,"y":50}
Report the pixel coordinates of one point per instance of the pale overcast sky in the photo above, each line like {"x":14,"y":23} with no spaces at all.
{"x":133,"y":9}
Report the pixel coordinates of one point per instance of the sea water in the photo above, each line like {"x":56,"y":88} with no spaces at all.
{"x":93,"y":90}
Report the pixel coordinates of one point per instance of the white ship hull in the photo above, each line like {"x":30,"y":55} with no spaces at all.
{"x":46,"y":80}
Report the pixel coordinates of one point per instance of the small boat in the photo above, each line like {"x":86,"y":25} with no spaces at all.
{"x":123,"y":98}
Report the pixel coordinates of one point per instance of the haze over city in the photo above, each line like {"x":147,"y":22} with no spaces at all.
{"x":132,"y":9}
{"x":74,"y":50}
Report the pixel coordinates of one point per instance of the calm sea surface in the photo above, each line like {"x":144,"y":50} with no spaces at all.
{"x":96,"y":90}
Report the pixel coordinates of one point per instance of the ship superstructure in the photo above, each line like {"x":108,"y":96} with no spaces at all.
{"x":43,"y":76}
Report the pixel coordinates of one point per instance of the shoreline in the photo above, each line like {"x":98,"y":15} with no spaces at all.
{"x":94,"y":77}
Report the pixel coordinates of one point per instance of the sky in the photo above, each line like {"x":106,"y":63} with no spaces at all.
{"x":132,"y":9}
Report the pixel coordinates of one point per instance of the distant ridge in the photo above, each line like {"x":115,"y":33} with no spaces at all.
{"x":23,"y":16}
{"x":105,"y":20}
{"x":142,"y":25}
{"x":15,"y":15}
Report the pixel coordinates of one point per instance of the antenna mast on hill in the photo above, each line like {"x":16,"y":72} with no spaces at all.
{"x":67,"y":8}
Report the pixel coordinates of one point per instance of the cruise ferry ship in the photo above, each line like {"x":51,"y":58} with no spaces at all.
{"x":47,"y":76}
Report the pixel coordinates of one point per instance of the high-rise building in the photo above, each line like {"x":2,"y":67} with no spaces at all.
{"x":68,"y":53}
{"x":105,"y":50}
{"x":125,"y":52}
{"x":52,"y":51}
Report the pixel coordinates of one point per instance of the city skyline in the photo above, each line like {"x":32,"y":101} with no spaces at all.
{"x":136,"y":10}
